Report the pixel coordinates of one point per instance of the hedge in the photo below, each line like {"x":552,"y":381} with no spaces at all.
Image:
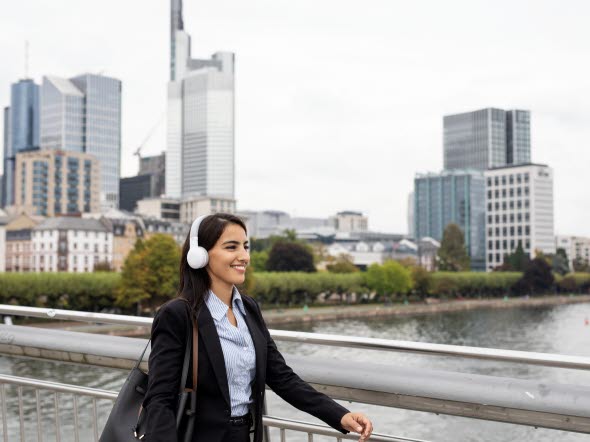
{"x":72,"y":291}
{"x":95,"y":291}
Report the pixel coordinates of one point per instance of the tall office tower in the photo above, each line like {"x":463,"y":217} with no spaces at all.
{"x":519,"y":211}
{"x":21,"y":130}
{"x":452,"y":196}
{"x":486,"y":138}
{"x":200,"y":134}
{"x":83,"y":114}
{"x":55,"y":182}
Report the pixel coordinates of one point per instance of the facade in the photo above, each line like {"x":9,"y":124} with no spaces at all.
{"x":135,"y":188}
{"x":19,"y":250}
{"x":193,"y":207}
{"x":83,"y":114}
{"x":576,"y":248}
{"x":410,"y":215}
{"x":200,"y":128}
{"x":519,"y":201}
{"x":3,"y":222}
{"x":69,"y":244}
{"x":126,"y":231}
{"x":55,"y":182}
{"x":156,"y":166}
{"x":21,"y":130}
{"x":349,"y":221}
{"x":167,"y":209}
{"x":486,"y":138}
{"x":452,"y":196}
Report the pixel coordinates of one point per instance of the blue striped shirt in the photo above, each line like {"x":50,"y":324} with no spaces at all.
{"x":238,"y":350}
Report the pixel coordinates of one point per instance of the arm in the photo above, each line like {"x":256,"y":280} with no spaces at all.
{"x":165,"y":370}
{"x":290,"y":387}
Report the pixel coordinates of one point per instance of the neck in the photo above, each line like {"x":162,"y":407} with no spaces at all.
{"x":223,"y":291}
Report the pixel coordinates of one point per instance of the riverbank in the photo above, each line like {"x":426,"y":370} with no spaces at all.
{"x":287,"y":316}
{"x":278,"y":317}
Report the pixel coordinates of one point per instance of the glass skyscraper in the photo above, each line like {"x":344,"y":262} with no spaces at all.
{"x":486,"y":138}
{"x":200,"y":134}
{"x":21,"y":130}
{"x":83,"y":114}
{"x":452,"y":196}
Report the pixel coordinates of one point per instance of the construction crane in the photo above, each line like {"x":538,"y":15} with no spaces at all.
{"x":147,"y":138}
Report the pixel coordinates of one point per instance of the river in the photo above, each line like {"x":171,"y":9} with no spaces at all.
{"x":560,"y":329}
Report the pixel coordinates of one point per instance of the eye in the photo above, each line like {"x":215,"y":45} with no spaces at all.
{"x":246,"y":247}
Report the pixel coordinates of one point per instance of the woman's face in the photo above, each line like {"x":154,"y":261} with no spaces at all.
{"x":229,"y":256}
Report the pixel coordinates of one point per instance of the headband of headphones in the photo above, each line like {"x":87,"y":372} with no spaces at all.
{"x":197,"y":257}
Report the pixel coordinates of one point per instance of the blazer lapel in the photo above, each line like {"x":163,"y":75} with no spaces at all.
{"x":259,"y":347}
{"x":211,"y":340}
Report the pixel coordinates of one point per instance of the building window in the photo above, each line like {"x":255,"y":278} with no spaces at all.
{"x":497,"y":218}
{"x":503,"y":193}
{"x":496,"y":181}
{"x":504,"y":179}
{"x":527,"y":230}
{"x":511,"y":230}
{"x":490,"y":219}
{"x":519,"y":230}
{"x":489,"y":194}
{"x":491,"y":245}
{"x":511,"y":179}
{"x":526,"y":203}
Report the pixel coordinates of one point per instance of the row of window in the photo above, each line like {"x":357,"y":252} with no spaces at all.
{"x":510,"y":179}
{"x":503,"y":245}
{"x":514,"y":230}
{"x":505,"y":205}
{"x":508,"y":192}
{"x":508,"y":218}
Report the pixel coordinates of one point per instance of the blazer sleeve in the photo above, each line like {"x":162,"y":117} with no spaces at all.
{"x":290,"y":387}
{"x":165,"y":370}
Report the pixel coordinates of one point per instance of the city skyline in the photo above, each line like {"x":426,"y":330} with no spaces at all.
{"x":330,"y":118}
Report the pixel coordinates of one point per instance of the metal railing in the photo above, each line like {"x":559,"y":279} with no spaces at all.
{"x":533,"y":358}
{"x":281,"y":424}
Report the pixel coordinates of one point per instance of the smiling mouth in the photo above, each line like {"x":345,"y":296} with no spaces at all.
{"x":240,"y":267}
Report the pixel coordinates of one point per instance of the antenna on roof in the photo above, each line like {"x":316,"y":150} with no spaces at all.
{"x":26,"y":58}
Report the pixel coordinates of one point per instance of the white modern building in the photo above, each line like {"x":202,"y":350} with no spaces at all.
{"x":349,"y":221}
{"x":192,"y":207}
{"x":519,"y":209}
{"x":576,"y":247}
{"x":83,"y":114}
{"x":200,"y":131}
{"x":167,"y":209}
{"x":68,"y":244}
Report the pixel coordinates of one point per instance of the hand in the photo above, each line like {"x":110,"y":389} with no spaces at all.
{"x":358,"y":423}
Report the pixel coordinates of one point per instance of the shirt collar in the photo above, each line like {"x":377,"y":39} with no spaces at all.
{"x":219,"y":309}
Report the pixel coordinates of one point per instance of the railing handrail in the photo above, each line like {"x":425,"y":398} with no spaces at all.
{"x":270,"y":421}
{"x":515,"y":356}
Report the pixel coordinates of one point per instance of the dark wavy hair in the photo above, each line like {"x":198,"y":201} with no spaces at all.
{"x":195,"y":283}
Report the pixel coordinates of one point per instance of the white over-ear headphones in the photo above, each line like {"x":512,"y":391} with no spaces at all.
{"x":197,"y":257}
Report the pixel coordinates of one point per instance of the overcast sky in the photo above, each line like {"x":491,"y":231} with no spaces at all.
{"x":338,"y":102}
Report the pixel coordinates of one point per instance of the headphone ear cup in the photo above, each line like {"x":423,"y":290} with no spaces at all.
{"x":197,"y":257}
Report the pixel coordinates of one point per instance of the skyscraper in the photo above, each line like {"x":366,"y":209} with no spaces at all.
{"x":452,"y":196}
{"x":200,"y":134}
{"x":486,"y":138}
{"x":83,"y":114}
{"x":21,"y":130}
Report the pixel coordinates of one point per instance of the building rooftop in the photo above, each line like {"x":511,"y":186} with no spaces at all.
{"x":65,"y":86}
{"x":512,"y":166}
{"x":71,"y":223}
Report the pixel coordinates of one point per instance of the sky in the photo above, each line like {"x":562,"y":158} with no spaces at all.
{"x":338,"y":102}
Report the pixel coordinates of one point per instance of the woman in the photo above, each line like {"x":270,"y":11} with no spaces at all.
{"x":236,"y":355}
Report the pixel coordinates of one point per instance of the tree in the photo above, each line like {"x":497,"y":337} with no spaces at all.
{"x":342,"y":264}
{"x":559,"y":262}
{"x":388,"y":279}
{"x":452,"y":255}
{"x":150,"y":272}
{"x":290,"y":257}
{"x":422,"y":280}
{"x":581,"y":265}
{"x":537,"y":277}
{"x":258,"y":260}
{"x":516,"y":261}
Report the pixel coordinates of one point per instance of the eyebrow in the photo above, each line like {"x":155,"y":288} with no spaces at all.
{"x":233,"y":241}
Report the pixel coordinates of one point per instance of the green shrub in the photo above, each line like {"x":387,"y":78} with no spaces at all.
{"x":71,"y":291}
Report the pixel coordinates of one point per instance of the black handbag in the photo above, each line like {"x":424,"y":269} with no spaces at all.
{"x":126,"y":422}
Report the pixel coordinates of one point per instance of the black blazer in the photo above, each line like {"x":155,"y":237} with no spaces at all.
{"x":169,"y":331}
